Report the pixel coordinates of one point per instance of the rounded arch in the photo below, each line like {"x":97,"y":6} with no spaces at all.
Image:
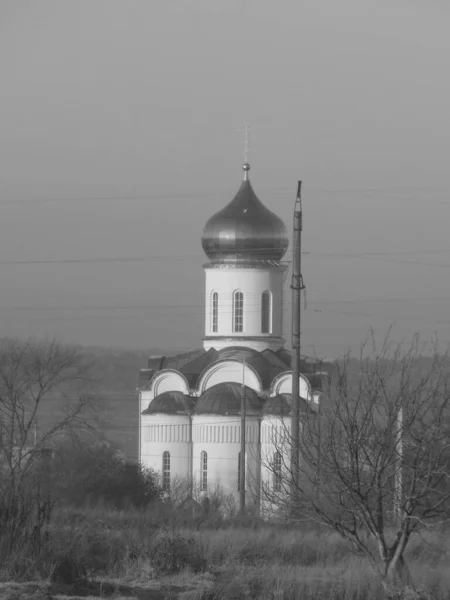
{"x":282,"y":384}
{"x":226,"y":371}
{"x":168,"y":380}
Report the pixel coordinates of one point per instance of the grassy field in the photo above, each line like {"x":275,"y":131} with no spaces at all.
{"x":122,"y":554}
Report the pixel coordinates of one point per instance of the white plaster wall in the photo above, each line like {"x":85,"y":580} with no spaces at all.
{"x":220,"y":437}
{"x":229,"y":371}
{"x":275,"y":436}
{"x":252,"y":282}
{"x":161,"y":432}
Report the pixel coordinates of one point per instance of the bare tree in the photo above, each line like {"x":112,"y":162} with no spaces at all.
{"x":32,"y":373}
{"x":375,"y":462}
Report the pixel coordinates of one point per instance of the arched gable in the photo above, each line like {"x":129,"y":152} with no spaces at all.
{"x":282,"y":384}
{"x":168,"y":380}
{"x":227,"y":371}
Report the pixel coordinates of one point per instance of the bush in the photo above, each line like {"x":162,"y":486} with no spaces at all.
{"x":172,"y":553}
{"x":97,"y":474}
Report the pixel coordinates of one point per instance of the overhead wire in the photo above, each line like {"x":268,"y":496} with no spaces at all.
{"x":203,"y":193}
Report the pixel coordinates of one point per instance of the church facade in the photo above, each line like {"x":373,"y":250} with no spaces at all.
{"x":190,"y":404}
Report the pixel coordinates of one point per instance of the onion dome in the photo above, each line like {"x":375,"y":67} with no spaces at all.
{"x":225,"y":399}
{"x":170,"y":403}
{"x":245,"y":230}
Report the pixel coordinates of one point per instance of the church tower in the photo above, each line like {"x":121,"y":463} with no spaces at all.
{"x":245,"y":243}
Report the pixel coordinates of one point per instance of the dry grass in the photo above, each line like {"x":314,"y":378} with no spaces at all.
{"x":116,"y":549}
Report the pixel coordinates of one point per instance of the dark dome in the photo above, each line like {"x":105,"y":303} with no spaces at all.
{"x":280,"y":405}
{"x":238,"y":353}
{"x":170,"y":403}
{"x":245,"y":230}
{"x":225,"y":399}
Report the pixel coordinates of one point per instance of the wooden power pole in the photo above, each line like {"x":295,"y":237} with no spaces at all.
{"x":398,"y":494}
{"x":297,"y":286}
{"x":242,"y":454}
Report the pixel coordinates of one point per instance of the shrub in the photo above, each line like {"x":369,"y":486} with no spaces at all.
{"x":172,"y":553}
{"x":98,"y":475}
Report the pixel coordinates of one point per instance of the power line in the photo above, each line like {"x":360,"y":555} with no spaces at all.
{"x":377,"y":256}
{"x":202,"y":193}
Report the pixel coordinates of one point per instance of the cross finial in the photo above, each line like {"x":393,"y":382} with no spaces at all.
{"x":246,"y":141}
{"x":246,"y":166}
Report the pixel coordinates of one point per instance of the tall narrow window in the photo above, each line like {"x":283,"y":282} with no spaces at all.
{"x":166,"y":471}
{"x":238,"y":312}
{"x":203,"y":472}
{"x":266,"y":312}
{"x":215,"y":312}
{"x":277,"y":471}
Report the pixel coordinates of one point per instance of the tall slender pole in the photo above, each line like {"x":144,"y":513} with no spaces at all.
{"x":399,"y":467}
{"x":297,"y":286}
{"x":242,"y":454}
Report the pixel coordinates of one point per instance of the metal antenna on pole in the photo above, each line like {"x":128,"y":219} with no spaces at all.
{"x":297,"y":287}
{"x":242,"y":454}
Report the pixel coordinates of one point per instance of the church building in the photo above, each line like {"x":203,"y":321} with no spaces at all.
{"x":190,"y":404}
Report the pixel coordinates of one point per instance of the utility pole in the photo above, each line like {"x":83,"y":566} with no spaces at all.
{"x":296,"y":286}
{"x":398,"y":494}
{"x":242,"y":454}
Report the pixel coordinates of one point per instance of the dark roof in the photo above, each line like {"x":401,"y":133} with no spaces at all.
{"x":225,"y":399}
{"x":170,"y":403}
{"x":281,"y":405}
{"x":267,"y":364}
{"x":278,"y":405}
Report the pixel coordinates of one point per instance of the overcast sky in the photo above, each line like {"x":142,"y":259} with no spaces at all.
{"x":119,"y":124}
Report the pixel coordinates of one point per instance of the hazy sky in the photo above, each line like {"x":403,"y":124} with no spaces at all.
{"x":119,"y":137}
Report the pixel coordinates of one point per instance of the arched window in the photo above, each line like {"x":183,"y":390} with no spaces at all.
{"x":166,"y":471}
{"x":266,"y":312}
{"x":277,"y":471}
{"x":215,"y":312}
{"x":238,"y":312}
{"x":203,"y":471}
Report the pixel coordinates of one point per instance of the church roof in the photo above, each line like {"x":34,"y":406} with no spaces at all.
{"x":225,"y":399}
{"x":281,"y":405}
{"x":245,"y":230}
{"x":267,"y":364}
{"x":170,"y":403}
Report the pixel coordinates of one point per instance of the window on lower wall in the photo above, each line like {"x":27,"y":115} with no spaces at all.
{"x":203,"y":471}
{"x":166,"y":471}
{"x":277,"y":471}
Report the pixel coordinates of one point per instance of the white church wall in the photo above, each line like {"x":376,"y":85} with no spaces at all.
{"x":220,"y":437}
{"x":252,"y":282}
{"x":229,"y":371}
{"x":161,"y":433}
{"x":275,"y":439}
